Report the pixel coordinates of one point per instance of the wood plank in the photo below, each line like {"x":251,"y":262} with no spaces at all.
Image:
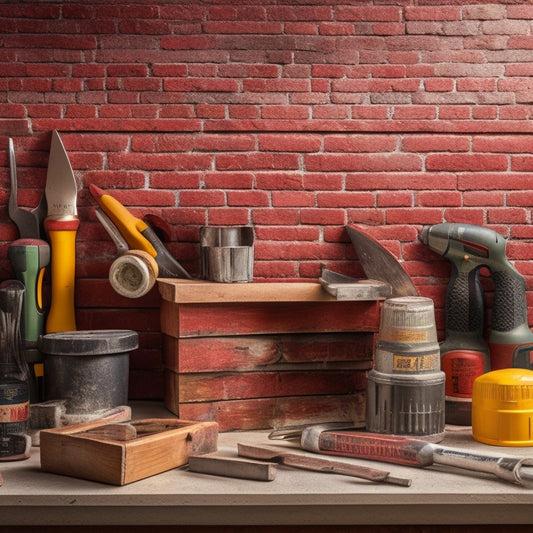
{"x":201,"y":320}
{"x":249,"y":352}
{"x":199,"y":291}
{"x":244,"y":385}
{"x":267,"y":413}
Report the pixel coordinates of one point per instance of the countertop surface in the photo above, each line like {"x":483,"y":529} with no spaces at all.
{"x":437,"y":495}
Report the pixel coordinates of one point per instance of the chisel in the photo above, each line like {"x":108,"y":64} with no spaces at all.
{"x":414,"y":452}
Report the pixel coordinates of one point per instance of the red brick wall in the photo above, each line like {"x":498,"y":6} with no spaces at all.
{"x":294,"y":117}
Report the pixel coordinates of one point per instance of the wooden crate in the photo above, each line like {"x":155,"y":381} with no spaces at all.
{"x":94,"y":450}
{"x":265,"y":355}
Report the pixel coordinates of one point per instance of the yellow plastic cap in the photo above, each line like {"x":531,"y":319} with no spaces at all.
{"x":502,"y":407}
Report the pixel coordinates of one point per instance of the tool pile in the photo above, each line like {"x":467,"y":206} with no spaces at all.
{"x":414,"y":388}
{"x":47,"y":237}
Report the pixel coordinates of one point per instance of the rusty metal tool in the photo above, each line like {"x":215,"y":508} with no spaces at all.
{"x":319,"y":465}
{"x":347,"y":288}
{"x":29,"y":256}
{"x":235,"y":468}
{"x":61,"y":225}
{"x":379,"y":264}
{"x":413,"y":452}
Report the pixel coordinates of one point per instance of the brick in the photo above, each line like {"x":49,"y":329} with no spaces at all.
{"x":257,"y":161}
{"x":293,"y":199}
{"x":289,"y":142}
{"x":501,"y":143}
{"x":360,"y":143}
{"x":507,"y":215}
{"x":281,"y":216}
{"x":495,"y":181}
{"x":436,"y":143}
{"x":323,"y":181}
{"x":247,"y":198}
{"x":323,"y":216}
{"x":415,"y":112}
{"x":202,"y":198}
{"x":466,"y":216}
{"x":484,"y":198}
{"x":414,"y":216}
{"x":389,"y":28}
{"x":160,"y":161}
{"x":336,"y":28}
{"x":485,"y":112}
{"x":438,"y":198}
{"x":432,"y":13}
{"x":439,"y":84}
{"x":359,"y":162}
{"x":345,"y":199}
{"x":368,"y":13}
{"x":394,"y":199}
{"x":400,"y":181}
{"x":457,"y":162}
{"x":522,"y":198}
{"x":522,"y":163}
{"x":275,"y":233}
{"x":301,"y":28}
{"x":229,"y":216}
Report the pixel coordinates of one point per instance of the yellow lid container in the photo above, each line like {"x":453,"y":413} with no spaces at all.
{"x":502,"y":407}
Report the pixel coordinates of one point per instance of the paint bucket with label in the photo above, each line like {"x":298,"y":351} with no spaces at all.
{"x":405,"y":392}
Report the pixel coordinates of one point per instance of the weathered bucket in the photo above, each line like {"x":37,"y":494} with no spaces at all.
{"x":227,"y":253}
{"x":405,"y":392}
{"x":88,"y":369}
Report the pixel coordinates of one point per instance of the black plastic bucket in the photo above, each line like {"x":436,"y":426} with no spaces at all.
{"x":88,"y":369}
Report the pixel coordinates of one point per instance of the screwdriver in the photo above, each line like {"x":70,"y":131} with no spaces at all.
{"x":401,"y":450}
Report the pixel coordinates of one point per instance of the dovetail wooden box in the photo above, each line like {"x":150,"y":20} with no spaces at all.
{"x":265,"y":355}
{"x":75,"y":451}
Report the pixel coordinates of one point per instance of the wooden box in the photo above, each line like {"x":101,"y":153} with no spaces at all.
{"x":265,"y":355}
{"x":94,"y":451}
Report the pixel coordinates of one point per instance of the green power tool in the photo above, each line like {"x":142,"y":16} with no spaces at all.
{"x":464,"y":354}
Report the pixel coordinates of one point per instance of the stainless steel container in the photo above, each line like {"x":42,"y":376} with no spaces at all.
{"x":227,"y":253}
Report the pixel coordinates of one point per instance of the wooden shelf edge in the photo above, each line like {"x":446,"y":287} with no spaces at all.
{"x":200,"y":291}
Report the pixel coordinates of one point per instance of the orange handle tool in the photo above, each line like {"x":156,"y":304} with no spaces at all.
{"x":62,"y":235}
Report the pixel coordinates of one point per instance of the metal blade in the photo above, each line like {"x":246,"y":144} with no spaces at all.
{"x":113,"y":231}
{"x":378,"y":263}
{"x":28,"y":221}
{"x":61,"y":188}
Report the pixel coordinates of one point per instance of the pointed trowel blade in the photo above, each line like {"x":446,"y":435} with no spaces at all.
{"x":61,"y":188}
{"x":379,"y":264}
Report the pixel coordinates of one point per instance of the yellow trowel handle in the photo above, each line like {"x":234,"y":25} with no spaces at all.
{"x":62,"y":235}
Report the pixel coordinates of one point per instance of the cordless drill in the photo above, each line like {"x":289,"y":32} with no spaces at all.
{"x":464,"y":354}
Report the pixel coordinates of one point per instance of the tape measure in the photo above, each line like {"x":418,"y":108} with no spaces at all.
{"x":133,"y":274}
{"x":502,"y":407}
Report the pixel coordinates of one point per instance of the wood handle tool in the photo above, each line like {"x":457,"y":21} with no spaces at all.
{"x":318,"y":464}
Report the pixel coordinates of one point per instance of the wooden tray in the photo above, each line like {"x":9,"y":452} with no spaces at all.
{"x":123,"y":453}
